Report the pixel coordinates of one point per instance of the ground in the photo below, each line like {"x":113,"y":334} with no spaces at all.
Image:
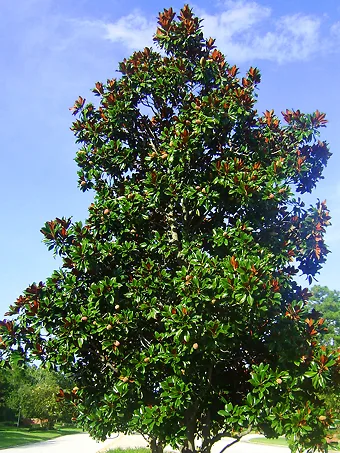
{"x":84,"y":444}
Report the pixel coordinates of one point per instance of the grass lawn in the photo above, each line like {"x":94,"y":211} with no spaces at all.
{"x":281,"y":441}
{"x":262,"y":440}
{"x":14,"y":437}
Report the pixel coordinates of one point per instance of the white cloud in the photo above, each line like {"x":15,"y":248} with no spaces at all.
{"x":244,"y":30}
{"x":335,"y":29}
{"x":238,"y":18}
{"x":133,"y":30}
{"x":289,"y":38}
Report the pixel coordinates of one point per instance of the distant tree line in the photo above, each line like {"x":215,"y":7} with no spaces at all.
{"x":327,"y":302}
{"x":31,"y":393}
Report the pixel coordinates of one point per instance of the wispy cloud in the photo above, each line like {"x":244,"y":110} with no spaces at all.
{"x":235,"y":18}
{"x":245,"y":30}
{"x":133,"y":30}
{"x":335,"y":30}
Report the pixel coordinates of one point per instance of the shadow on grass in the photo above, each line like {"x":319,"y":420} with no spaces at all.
{"x":281,"y":441}
{"x":13,"y":437}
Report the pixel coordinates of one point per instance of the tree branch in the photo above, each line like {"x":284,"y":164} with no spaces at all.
{"x":228,"y":434}
{"x":173,"y":231}
{"x":153,"y":139}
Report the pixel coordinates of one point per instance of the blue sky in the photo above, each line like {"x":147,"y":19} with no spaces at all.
{"x":51,"y":51}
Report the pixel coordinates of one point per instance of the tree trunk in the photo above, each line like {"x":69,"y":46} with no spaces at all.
{"x":50,"y":423}
{"x":206,"y":440}
{"x":190,"y":422}
{"x":156,"y":446}
{"x":189,"y":446}
{"x":19,"y":415}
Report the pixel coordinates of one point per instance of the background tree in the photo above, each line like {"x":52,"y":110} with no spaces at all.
{"x":32,"y":393}
{"x":6,"y":414}
{"x":18,"y":385}
{"x":327,"y":302}
{"x":176,"y":307}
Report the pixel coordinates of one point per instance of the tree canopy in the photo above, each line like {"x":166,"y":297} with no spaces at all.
{"x":176,"y":307}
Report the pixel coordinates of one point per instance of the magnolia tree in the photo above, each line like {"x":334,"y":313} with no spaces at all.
{"x":176,"y":307}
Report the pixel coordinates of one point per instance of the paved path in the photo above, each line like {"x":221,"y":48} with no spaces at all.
{"x":82,"y":443}
{"x":74,"y":443}
{"x":245,"y":447}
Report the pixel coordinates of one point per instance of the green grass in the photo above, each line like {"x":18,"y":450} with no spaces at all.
{"x":14,"y":437}
{"x":262,"y":440}
{"x":281,"y":441}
